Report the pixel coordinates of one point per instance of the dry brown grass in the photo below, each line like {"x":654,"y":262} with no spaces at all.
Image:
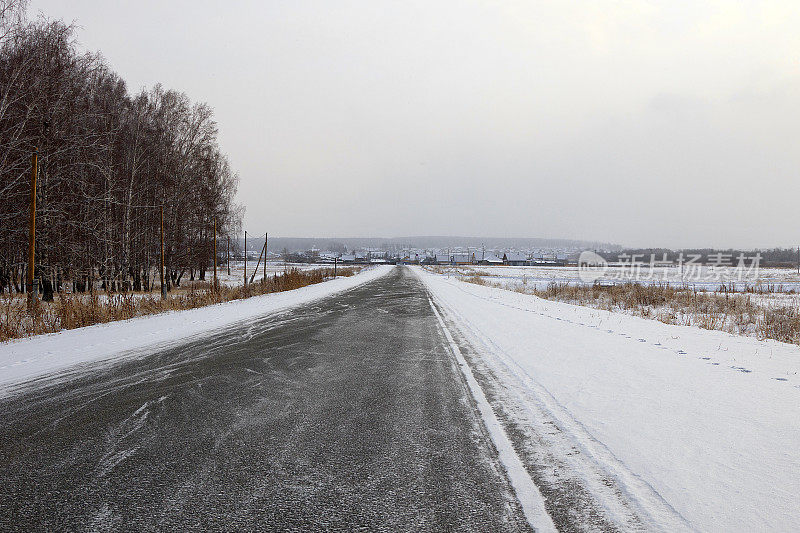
{"x":74,"y":311}
{"x":476,"y":278}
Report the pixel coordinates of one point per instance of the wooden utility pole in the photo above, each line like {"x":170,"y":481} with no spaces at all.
{"x":33,"y":289}
{"x":258,"y":264}
{"x":266,"y":236}
{"x":215,"y":254}
{"x":335,"y":260}
{"x":228,"y":254}
{"x":161,"y":269}
{"x":245,"y":257}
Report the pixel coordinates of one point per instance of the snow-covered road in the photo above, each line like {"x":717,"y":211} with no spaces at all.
{"x":697,"y":429}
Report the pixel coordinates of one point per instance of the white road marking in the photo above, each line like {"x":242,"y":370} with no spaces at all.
{"x":528,"y":494}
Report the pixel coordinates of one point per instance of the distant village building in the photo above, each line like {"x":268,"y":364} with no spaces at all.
{"x":542,"y":259}
{"x":515,"y":259}
{"x":490,"y":259}
{"x":463,"y":258}
{"x":549,"y":259}
{"x":378,"y":257}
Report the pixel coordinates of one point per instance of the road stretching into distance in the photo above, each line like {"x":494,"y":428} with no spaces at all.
{"x":348,"y":413}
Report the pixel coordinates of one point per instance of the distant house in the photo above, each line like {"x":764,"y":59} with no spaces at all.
{"x":463,"y":258}
{"x":442,"y":259}
{"x":515,"y":259}
{"x":348,"y":258}
{"x":490,"y":259}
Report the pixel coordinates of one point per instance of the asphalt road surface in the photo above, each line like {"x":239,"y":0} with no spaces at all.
{"x":348,"y":414}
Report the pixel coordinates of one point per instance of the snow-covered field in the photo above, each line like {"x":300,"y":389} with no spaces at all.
{"x":700,"y":428}
{"x":236,"y":276}
{"x":699,"y":277}
{"x":25,"y":359}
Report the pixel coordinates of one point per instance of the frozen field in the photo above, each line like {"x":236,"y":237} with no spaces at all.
{"x":701,"y":277}
{"x":236,"y":276}
{"x":764,"y":306}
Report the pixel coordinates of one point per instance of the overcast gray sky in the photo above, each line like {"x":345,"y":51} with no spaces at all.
{"x":673,"y":123}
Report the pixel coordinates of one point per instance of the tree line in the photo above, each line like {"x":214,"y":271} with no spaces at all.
{"x":108,"y":161}
{"x":767,"y":257}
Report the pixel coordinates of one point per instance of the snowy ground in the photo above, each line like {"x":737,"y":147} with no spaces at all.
{"x":236,"y":276}
{"x":772,"y":288}
{"x":698,"y":428}
{"x":26,"y":359}
{"x":700,"y":277}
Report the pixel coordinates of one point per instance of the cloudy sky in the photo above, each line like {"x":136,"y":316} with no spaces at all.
{"x":673,"y":123}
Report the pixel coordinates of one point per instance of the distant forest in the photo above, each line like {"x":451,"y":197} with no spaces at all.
{"x":108,"y":161}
